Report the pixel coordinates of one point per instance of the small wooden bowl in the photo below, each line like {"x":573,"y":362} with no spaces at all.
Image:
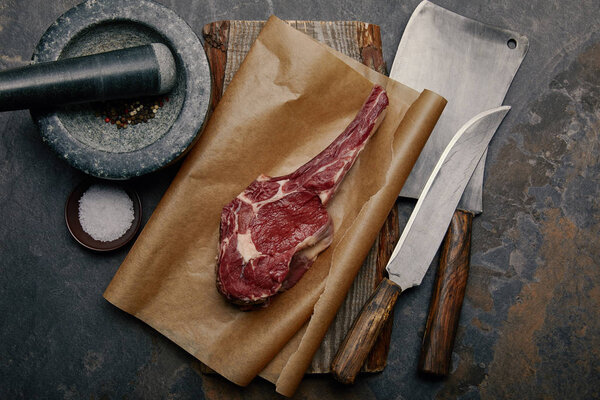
{"x":82,"y":237}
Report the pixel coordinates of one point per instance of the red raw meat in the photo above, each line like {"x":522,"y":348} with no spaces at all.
{"x":272,"y":232}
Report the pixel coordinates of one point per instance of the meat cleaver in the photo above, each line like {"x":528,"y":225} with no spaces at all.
{"x":472,"y":65}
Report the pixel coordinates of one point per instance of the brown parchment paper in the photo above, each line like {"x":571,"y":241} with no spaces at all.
{"x":290,"y":98}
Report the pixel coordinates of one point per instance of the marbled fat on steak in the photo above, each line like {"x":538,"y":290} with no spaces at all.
{"x":272,"y":232}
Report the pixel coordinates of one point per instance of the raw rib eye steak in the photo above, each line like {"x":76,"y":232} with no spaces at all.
{"x":272,"y":232}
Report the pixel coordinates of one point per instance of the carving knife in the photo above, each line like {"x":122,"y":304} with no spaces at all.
{"x":420,"y":238}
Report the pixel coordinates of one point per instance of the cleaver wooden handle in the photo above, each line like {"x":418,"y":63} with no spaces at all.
{"x":364,"y":332}
{"x":447,"y":298}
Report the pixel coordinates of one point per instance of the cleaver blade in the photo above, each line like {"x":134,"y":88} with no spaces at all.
{"x":469,"y":63}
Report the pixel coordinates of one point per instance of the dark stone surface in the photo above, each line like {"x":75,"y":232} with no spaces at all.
{"x":530,"y":326}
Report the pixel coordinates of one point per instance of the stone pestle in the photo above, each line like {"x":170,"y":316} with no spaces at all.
{"x":132,"y":72}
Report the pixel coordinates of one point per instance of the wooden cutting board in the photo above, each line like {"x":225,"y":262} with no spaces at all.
{"x":226,"y":44}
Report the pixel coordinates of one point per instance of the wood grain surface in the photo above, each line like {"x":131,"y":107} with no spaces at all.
{"x":447,"y":297}
{"x":364,"y":332}
{"x":226,"y":44}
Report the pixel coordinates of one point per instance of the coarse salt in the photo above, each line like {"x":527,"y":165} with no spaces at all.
{"x":105,"y":212}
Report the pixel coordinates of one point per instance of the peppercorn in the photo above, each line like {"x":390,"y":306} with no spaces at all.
{"x":130,"y":112}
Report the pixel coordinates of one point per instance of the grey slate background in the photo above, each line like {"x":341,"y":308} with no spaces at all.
{"x":530,"y":325}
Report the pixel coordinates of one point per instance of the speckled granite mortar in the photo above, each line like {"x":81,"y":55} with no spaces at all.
{"x":84,"y":140}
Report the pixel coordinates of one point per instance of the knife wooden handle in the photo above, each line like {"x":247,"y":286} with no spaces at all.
{"x":447,"y":298}
{"x":364,"y":332}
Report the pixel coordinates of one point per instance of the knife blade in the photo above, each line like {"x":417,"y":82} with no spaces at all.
{"x":420,"y":238}
{"x":472,"y":65}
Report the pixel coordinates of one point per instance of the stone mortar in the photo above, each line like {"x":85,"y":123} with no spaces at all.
{"x":83,"y":139}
